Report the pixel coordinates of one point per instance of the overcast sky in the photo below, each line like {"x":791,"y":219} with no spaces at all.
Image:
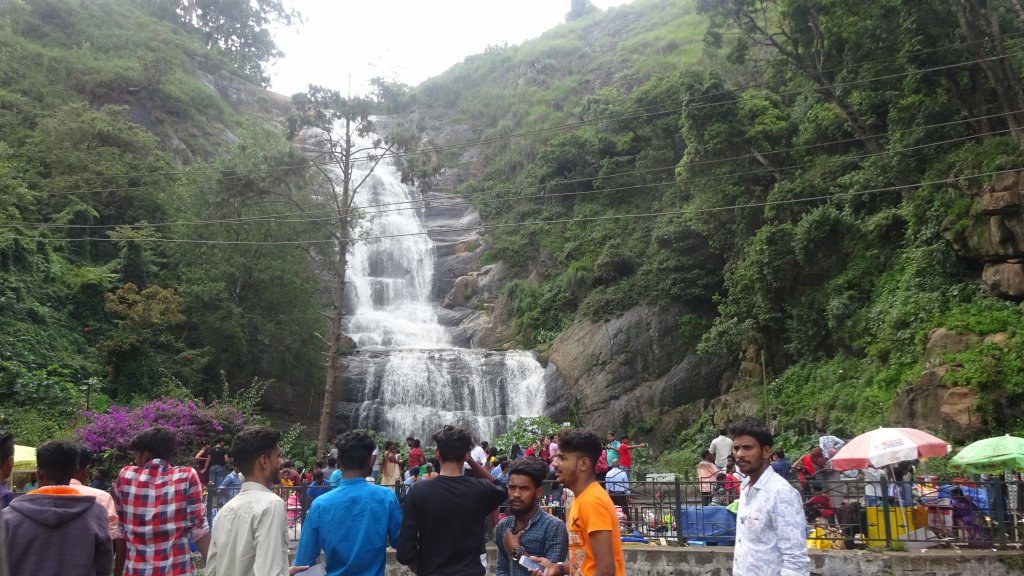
{"x":406,"y":40}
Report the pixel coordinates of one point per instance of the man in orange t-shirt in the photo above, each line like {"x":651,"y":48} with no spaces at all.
{"x":595,"y":543}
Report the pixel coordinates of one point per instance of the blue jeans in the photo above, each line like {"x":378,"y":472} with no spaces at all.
{"x":217,"y":475}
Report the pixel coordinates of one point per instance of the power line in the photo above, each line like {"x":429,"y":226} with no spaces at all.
{"x":688,"y":211}
{"x":269,"y":218}
{"x":612,"y":118}
{"x":616,"y":175}
{"x":595,"y":120}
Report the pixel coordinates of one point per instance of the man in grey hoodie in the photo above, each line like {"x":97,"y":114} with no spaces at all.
{"x":55,"y":530}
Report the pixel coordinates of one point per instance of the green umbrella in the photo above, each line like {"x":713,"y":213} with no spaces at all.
{"x":991,"y":455}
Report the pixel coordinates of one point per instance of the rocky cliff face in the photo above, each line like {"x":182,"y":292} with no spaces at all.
{"x":633,"y":373}
{"x":995,"y":235}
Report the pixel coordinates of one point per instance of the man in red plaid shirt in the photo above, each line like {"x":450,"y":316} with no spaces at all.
{"x":160,"y":508}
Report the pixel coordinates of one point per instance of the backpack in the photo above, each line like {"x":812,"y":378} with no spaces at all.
{"x":602,"y":463}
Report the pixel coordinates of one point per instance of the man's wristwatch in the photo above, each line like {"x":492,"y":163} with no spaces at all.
{"x":518,"y":553}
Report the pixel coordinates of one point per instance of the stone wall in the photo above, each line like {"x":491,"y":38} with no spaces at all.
{"x":672,"y":561}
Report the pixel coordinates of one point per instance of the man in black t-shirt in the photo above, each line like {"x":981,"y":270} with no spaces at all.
{"x":218,"y":462}
{"x":443,"y":518}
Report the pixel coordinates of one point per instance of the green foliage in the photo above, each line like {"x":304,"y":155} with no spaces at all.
{"x":241,"y":29}
{"x":525,"y":431}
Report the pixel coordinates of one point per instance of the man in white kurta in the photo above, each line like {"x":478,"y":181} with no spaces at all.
{"x":771,"y":530}
{"x":249,"y":536}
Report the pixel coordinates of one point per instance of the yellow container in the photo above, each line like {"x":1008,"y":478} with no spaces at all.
{"x":901,"y":521}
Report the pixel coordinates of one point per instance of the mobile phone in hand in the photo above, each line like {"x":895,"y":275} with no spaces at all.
{"x":530,"y":563}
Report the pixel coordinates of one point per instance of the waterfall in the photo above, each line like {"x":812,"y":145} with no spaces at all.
{"x":407,"y":378}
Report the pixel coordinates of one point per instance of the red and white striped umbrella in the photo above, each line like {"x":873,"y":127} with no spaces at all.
{"x":886,"y":446}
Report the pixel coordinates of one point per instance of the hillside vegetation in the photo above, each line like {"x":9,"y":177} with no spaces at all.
{"x":122,"y":136}
{"x":809,"y":185}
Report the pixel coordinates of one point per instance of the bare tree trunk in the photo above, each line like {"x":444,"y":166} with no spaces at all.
{"x":335,"y":364}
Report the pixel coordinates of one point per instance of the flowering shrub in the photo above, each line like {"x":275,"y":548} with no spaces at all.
{"x":193,"y":422}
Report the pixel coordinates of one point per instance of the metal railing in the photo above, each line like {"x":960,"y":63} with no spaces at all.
{"x":841,"y":513}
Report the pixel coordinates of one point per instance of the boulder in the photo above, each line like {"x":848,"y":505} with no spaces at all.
{"x":1000,"y":202}
{"x":1009,"y":180}
{"x":1005,"y":280}
{"x":994,"y":237}
{"x":462,"y":291}
{"x":930,"y":404}
{"x":943,"y":341}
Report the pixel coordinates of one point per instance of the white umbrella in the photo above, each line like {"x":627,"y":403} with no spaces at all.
{"x":887,"y":446}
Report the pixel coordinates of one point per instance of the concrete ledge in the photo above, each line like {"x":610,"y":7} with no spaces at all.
{"x":717,"y":561}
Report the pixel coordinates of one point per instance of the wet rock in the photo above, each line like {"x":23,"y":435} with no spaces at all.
{"x":1005,"y":280}
{"x":628,"y":371}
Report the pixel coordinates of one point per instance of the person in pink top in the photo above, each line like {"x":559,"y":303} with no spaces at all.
{"x":553,"y":449}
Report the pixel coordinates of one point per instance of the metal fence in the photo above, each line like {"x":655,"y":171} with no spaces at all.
{"x":841,"y":513}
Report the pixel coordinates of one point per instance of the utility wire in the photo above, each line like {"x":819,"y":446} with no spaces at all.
{"x":688,"y":211}
{"x":276,"y":218}
{"x":579,"y":124}
{"x":616,"y":175}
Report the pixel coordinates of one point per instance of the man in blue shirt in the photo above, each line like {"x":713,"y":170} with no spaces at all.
{"x":782,"y":466}
{"x":500,"y":471}
{"x":528,"y":529}
{"x":354,"y":523}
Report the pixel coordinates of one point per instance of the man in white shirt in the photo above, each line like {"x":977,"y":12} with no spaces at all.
{"x":770,"y":524}
{"x":250,"y":535}
{"x":616,"y":481}
{"x":479,"y":454}
{"x":721,"y":447}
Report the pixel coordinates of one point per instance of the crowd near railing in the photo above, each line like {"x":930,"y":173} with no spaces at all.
{"x":841,"y":514}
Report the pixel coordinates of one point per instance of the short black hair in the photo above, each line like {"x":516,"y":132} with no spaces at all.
{"x":85,"y":457}
{"x":624,"y":437}
{"x":416,"y":443}
{"x":722,"y":431}
{"x":354,"y":449}
{"x":780,"y":453}
{"x":532,"y":467}
{"x":159,"y":441}
{"x":414,"y":471}
{"x":452,"y":443}
{"x":250,"y":444}
{"x":485,"y":445}
{"x":58,"y":459}
{"x":6,"y":446}
{"x":583,"y":441}
{"x":332,"y":462}
{"x":318,"y":475}
{"x":755,"y":429}
{"x":705,"y":454}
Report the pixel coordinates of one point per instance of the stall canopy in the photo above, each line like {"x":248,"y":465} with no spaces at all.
{"x":24,"y":458}
{"x":991,"y":455}
{"x":887,"y":446}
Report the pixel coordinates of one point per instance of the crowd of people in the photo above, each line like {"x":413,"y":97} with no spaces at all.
{"x":154,"y":515}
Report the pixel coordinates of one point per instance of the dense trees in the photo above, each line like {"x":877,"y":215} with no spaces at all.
{"x":123,"y":274}
{"x":776,"y":185}
{"x":241,"y":28}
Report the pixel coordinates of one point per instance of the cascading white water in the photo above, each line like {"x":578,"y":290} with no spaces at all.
{"x":409,"y":378}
